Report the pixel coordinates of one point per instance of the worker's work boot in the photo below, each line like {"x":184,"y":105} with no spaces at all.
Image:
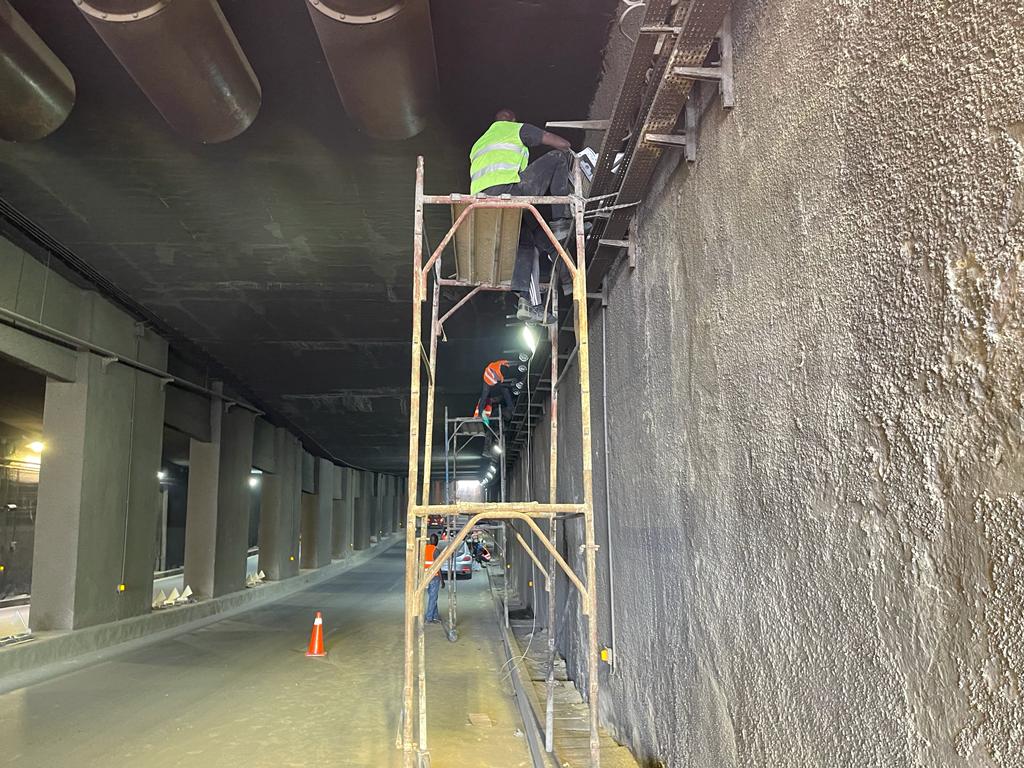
{"x":561,"y":229}
{"x":534,"y":314}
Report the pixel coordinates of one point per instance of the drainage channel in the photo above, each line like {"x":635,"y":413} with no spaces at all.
{"x":531,"y":726}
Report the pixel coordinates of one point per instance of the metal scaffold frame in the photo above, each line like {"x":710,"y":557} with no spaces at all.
{"x":413,"y":735}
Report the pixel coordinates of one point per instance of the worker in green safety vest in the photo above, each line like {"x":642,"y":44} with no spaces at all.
{"x":499,"y":164}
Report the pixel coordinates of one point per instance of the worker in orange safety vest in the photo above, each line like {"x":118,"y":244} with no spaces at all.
{"x":431,"y":614}
{"x":495,"y":387}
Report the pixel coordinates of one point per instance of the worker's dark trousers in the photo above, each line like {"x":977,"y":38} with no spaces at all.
{"x":501,"y":389}
{"x":526,"y":274}
{"x":547,"y":175}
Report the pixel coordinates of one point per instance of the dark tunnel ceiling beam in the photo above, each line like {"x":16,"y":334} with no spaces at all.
{"x":37,"y":90}
{"x":185,"y":58}
{"x":381,"y":56}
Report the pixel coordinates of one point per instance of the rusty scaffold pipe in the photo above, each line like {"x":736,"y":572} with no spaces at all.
{"x":37,"y":90}
{"x":381,"y":56}
{"x":185,"y":58}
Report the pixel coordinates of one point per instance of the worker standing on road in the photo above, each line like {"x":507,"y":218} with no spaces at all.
{"x":434,"y":586}
{"x":494,"y":385}
{"x":500,"y":164}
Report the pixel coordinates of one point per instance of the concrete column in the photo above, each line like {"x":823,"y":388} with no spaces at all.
{"x":387,"y":504}
{"x":403,"y":501}
{"x":317,"y":511}
{"x":279,"y":511}
{"x":341,"y":511}
{"x":98,"y":492}
{"x":217,"y":520}
{"x":395,"y":496}
{"x":295,"y":499}
{"x":363,"y":510}
{"x":350,"y":490}
{"x":399,"y":506}
{"x":375,"y":508}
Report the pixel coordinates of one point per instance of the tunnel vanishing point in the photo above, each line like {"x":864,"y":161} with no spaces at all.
{"x":561,"y":383}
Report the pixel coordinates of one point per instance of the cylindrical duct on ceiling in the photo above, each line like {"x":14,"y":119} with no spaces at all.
{"x":381,"y":56}
{"x":37,"y":90}
{"x":185,"y":58}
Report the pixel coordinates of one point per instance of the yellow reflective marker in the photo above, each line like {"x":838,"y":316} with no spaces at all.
{"x":120,"y":587}
{"x":292,"y":557}
{"x":529,"y":583}
{"x":604,"y":655}
{"x":2,"y":568}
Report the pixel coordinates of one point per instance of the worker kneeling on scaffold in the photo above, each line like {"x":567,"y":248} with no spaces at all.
{"x":500,"y":164}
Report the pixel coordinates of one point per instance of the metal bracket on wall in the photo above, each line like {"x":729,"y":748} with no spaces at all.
{"x":107,"y":362}
{"x":721,"y":72}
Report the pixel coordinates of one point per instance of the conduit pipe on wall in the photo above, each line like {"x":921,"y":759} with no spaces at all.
{"x":38,"y":90}
{"x":381,"y":56}
{"x":21,"y":322}
{"x":185,"y":58}
{"x":607,"y":484}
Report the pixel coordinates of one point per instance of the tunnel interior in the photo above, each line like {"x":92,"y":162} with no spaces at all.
{"x":760,"y":501}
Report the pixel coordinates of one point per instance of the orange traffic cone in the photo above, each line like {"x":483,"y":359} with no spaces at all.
{"x":316,"y":640}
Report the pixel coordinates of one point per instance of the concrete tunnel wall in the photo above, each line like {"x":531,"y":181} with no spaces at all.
{"x":103,"y":424}
{"x":814,"y":390}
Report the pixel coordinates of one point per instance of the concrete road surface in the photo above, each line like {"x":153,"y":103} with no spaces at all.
{"x":242,"y":692}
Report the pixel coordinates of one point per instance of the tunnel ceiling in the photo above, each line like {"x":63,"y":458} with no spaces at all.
{"x":285,"y":252}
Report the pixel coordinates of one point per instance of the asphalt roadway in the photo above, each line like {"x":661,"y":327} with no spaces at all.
{"x":242,"y":692}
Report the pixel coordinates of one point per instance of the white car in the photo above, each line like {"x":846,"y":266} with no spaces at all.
{"x":463,"y":563}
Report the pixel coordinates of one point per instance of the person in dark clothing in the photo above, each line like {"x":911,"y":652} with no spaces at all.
{"x":495,"y":387}
{"x":499,"y":165}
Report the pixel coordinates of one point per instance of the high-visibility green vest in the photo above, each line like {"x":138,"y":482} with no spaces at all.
{"x":497,"y":157}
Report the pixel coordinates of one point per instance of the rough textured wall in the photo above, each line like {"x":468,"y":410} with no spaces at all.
{"x":815,"y":397}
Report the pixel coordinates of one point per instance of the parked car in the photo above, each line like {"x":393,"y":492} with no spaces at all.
{"x":463,"y":563}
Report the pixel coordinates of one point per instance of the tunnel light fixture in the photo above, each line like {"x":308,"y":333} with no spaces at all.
{"x":36,"y":446}
{"x":530,"y":339}
{"x":496,"y":449}
{"x":12,"y":506}
{"x":161,"y":475}
{"x":254,"y":481}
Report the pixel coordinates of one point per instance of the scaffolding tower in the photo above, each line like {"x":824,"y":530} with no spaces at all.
{"x":495,"y":250}
{"x":461,"y":433}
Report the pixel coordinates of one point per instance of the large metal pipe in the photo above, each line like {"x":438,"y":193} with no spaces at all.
{"x":185,"y":58}
{"x":37,"y":90}
{"x":381,"y":55}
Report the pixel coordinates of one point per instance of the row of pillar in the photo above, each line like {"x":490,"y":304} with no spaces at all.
{"x":98,"y":498}
{"x":98,"y":511}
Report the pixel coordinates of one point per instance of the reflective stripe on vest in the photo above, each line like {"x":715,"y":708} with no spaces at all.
{"x":497,"y":157}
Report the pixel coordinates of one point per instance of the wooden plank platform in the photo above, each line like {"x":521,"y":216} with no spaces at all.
{"x":486,"y":244}
{"x":572,"y":716}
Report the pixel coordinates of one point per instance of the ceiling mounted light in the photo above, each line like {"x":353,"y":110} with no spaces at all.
{"x":496,"y":449}
{"x":12,"y":506}
{"x":36,"y":447}
{"x":254,"y":481}
{"x":161,"y":475}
